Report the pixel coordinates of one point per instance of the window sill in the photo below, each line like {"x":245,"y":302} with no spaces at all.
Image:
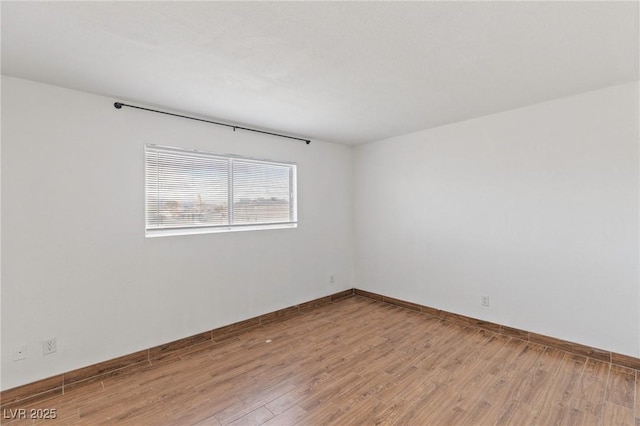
{"x":154,"y":233}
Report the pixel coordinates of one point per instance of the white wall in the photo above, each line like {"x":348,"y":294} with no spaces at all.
{"x":76,"y":264}
{"x":536,"y":207}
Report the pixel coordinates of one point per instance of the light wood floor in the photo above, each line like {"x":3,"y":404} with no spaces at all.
{"x":359,"y":362}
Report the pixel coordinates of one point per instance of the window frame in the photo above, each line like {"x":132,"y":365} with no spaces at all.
{"x":229,"y":226}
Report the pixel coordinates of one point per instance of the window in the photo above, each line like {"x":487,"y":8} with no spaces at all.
{"x":191,"y":192}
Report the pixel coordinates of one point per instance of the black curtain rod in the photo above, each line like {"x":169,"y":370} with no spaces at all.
{"x":119,"y":105}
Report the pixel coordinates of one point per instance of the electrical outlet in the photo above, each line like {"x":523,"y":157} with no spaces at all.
{"x":484,"y":300}
{"x":20,"y":352}
{"x":49,"y":346}
{"x":332,"y":278}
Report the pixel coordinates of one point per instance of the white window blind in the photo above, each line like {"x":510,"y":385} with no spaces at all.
{"x":194,"y":192}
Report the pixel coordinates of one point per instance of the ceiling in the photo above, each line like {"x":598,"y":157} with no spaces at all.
{"x":346,"y":72}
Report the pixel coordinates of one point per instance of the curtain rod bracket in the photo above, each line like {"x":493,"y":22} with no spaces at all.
{"x":119,"y":105}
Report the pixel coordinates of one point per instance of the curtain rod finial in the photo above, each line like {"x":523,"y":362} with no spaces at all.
{"x":118,"y":105}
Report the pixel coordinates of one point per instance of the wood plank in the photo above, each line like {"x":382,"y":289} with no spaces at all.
{"x":621,"y":387}
{"x":256,"y":417}
{"x":561,"y":392}
{"x":615,"y":414}
{"x":289,"y":417}
{"x":637,"y":411}
{"x":592,"y":387}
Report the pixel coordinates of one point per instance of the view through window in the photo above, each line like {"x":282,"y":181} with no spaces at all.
{"x":195,"y":192}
